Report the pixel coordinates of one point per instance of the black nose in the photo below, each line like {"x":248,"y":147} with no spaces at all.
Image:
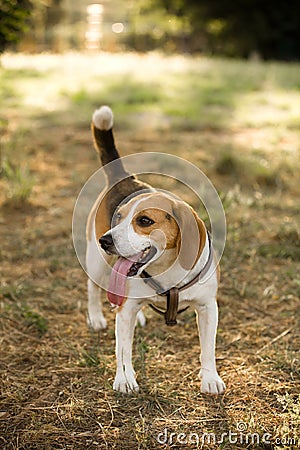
{"x":106,"y":241}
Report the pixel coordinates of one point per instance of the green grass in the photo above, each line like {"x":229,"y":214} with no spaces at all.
{"x":170,"y":93}
{"x":20,"y":183}
{"x":285,"y":244}
{"x":34,"y":321}
{"x":252,"y":170}
{"x":14,"y":291}
{"x":197,"y":89}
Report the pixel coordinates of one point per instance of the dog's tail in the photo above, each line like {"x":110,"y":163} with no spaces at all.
{"x":105,"y":145}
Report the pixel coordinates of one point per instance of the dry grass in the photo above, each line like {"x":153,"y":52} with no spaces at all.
{"x":56,"y":375}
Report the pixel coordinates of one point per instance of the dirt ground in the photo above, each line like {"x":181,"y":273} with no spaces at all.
{"x":57,"y":375}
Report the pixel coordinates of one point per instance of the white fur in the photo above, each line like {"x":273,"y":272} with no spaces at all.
{"x":103,"y":118}
{"x":201,"y":297}
{"x":97,"y":269}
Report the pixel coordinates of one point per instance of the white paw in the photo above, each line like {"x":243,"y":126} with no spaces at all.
{"x":211,"y":383}
{"x":125,"y":383}
{"x":97,"y":323}
{"x":141,"y":319}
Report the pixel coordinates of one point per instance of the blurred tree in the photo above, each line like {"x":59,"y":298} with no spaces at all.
{"x":42,"y":33}
{"x":151,"y":26}
{"x":242,"y":27}
{"x":13,"y":21}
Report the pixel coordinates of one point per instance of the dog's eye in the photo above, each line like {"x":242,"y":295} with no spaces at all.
{"x":144,"y":221}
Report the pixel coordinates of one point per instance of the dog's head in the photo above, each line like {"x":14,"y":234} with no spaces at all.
{"x":148,"y":226}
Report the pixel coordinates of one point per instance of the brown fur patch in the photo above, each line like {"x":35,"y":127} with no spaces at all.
{"x":192,"y":236}
{"x":99,"y":215}
{"x":109,"y":200}
{"x":162,"y":221}
{"x":178,"y":221}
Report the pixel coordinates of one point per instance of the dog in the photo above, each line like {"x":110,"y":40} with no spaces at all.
{"x":164,"y":258}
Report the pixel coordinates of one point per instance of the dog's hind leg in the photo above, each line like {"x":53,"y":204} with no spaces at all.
{"x":141,"y":319}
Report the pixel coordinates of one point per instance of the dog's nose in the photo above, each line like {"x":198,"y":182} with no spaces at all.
{"x":106,"y":241}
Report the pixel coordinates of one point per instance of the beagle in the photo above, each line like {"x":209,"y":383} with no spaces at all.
{"x":163,"y":255}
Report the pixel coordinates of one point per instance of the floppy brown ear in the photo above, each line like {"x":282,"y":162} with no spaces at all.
{"x":192,"y":235}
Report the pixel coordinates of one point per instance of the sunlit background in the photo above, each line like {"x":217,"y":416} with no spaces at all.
{"x":240,"y":29}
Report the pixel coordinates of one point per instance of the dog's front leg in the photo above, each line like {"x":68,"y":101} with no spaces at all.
{"x":125,"y":381}
{"x":207,"y":319}
{"x":96,"y":319}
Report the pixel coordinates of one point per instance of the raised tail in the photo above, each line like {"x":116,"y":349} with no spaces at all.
{"x":105,"y":145}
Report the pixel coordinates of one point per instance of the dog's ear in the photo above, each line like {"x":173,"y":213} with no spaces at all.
{"x":191,"y":236}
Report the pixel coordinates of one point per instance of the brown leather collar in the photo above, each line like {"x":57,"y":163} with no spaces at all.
{"x":172,"y":294}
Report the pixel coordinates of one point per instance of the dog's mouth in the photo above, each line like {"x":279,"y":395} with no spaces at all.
{"x":144,"y":257}
{"x":127,"y":267}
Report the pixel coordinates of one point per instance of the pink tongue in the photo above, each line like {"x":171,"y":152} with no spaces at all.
{"x":117,"y":281}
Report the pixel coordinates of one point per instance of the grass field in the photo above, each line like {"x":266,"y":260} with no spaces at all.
{"x":239,"y":122}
